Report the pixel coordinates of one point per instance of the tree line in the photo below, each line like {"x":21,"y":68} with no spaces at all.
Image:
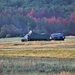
{"x":17,"y":17}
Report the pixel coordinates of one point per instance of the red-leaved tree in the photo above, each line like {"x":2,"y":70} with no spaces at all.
{"x":31,"y":13}
{"x":65,"y":21}
{"x":72,"y":17}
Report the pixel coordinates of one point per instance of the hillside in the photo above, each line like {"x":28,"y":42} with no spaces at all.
{"x":17,"y":17}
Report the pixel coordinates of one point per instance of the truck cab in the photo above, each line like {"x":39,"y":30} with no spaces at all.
{"x":57,"y":36}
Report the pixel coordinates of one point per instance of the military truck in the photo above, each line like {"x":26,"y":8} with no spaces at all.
{"x":33,"y":36}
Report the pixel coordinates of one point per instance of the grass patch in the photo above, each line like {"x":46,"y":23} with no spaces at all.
{"x":36,"y":65}
{"x":39,"y":53}
{"x":59,"y":49}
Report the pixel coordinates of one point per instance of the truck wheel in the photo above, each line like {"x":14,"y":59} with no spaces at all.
{"x":22,"y":40}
